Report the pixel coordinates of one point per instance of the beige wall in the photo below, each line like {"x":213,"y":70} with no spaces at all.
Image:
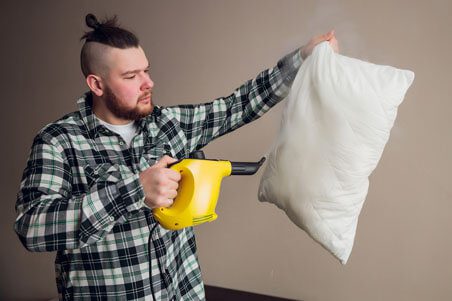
{"x":203,"y":49}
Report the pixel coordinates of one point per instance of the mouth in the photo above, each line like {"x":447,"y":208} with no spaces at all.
{"x":145,"y":99}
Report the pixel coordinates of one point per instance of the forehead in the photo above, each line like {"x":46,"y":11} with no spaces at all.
{"x":122,"y":60}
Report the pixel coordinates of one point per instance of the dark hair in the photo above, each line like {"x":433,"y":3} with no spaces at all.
{"x":108,"y":33}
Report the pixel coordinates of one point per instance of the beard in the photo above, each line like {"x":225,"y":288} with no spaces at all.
{"x":117,"y":107}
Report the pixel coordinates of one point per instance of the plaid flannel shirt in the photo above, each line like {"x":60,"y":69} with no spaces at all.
{"x":80,"y":194}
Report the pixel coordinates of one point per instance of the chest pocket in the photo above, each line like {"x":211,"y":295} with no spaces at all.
{"x":105,"y":172}
{"x":111,"y":173}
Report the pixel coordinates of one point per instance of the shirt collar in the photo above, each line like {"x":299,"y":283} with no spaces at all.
{"x":85,"y":105}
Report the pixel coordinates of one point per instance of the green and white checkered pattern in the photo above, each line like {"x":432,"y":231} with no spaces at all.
{"x":81,"y":196}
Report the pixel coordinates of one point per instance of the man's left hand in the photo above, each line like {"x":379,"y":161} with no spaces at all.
{"x":306,"y":50}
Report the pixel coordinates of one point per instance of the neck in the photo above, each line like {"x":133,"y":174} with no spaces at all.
{"x":103,"y":113}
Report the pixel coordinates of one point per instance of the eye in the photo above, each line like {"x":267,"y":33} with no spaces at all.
{"x":130,"y":77}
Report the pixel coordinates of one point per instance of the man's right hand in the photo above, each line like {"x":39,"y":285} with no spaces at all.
{"x":160,"y":183}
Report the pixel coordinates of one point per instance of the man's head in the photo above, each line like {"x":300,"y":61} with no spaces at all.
{"x":117,"y":72}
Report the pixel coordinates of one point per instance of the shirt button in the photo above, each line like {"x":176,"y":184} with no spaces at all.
{"x":112,"y":218}
{"x":121,"y":143}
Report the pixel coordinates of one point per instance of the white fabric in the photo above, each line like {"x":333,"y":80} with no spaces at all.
{"x":126,"y":131}
{"x":335,"y":125}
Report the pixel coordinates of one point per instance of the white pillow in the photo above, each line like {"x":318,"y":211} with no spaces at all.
{"x":335,"y":125}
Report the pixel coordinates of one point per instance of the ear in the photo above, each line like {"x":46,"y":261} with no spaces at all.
{"x":95,"y":84}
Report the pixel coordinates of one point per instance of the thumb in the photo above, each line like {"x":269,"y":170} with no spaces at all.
{"x":329,"y":35}
{"x":164,"y":161}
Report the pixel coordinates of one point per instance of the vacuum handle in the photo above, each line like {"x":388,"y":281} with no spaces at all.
{"x":246,"y":168}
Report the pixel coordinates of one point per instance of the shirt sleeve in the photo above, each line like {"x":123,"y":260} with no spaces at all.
{"x":204,"y":122}
{"x":50,"y":218}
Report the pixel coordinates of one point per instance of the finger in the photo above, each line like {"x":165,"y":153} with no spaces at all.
{"x":325,"y":37}
{"x":172,"y":175}
{"x":172,"y":185}
{"x":334,"y":44}
{"x":319,"y":39}
{"x":168,"y":203}
{"x":165,"y":160}
{"x":172,"y":194}
{"x":167,"y":193}
{"x":329,"y":35}
{"x":163,"y":202}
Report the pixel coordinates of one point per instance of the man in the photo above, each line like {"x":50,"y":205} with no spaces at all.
{"x":94,"y":175}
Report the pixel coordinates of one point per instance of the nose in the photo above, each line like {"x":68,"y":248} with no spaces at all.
{"x":147,"y":83}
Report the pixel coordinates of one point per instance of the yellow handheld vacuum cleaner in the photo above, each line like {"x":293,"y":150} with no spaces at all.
{"x":199,"y":188}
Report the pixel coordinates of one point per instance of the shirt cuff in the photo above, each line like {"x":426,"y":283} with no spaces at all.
{"x":129,"y":197}
{"x":132,"y":192}
{"x":289,"y":65}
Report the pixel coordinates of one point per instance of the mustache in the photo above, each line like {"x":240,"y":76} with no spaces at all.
{"x":145,"y":95}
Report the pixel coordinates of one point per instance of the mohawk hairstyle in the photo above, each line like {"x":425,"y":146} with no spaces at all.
{"x":108,"y":33}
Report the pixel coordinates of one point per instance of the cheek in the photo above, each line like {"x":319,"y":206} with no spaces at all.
{"x":128,"y":93}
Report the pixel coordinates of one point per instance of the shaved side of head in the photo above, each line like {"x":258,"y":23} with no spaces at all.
{"x":99,"y":42}
{"x":95,"y":59}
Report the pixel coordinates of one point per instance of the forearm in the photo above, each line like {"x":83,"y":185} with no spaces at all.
{"x":52,"y":222}
{"x":257,"y":96}
{"x":51,"y":218}
{"x":205,"y":122}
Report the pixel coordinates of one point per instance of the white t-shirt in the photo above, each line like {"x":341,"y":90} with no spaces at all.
{"x":126,"y":131}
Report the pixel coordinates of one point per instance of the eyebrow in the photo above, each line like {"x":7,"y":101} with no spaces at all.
{"x":135,"y":71}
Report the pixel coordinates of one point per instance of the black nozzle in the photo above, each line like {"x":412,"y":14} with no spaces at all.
{"x":199,"y":154}
{"x":246,"y":168}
